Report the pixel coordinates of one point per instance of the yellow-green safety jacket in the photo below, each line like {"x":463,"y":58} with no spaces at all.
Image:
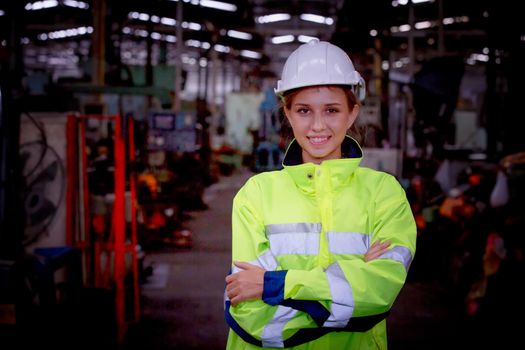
{"x":309,"y":226}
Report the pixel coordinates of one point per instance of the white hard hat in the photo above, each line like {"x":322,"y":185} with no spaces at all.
{"x":320,"y":63}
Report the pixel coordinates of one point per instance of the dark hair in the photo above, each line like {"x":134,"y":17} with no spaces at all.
{"x":286,"y":103}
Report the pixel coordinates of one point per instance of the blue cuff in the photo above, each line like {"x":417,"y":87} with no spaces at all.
{"x":313,"y":308}
{"x":273,"y":292}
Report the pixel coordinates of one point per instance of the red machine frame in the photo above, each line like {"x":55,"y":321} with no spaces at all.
{"x":113,"y":273}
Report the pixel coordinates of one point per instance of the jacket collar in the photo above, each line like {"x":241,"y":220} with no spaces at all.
{"x":338,"y":171}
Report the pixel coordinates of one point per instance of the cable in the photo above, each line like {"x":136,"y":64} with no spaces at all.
{"x":45,"y":148}
{"x":43,"y":142}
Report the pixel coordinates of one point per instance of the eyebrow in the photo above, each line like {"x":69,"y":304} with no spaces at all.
{"x":327,"y":104}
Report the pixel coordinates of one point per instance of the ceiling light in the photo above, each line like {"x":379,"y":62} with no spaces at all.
{"x":310,"y":17}
{"x":193,"y":43}
{"x":458,"y":19}
{"x":251,"y":54}
{"x":221,"y":48}
{"x":191,"y":25}
{"x":282,"y":39}
{"x":141,"y":32}
{"x":239,"y":35}
{"x":65,"y":33}
{"x":76,"y":4}
{"x":423,"y":25}
{"x":275,"y":17}
{"x":395,"y":3}
{"x":404,"y":27}
{"x":164,"y":20}
{"x":39,"y":5}
{"x":480,"y":57}
{"x":305,"y":38}
{"x":219,"y":5}
{"x":168,"y":21}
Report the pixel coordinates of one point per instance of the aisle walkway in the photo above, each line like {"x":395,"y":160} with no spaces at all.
{"x":182,"y":303}
{"x":183,"y":300}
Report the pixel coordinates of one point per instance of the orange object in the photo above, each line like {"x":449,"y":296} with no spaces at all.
{"x":156,"y":221}
{"x":420,"y":221}
{"x":450,"y":206}
{"x":150,"y":181}
{"x":474,"y":179}
{"x":183,"y":238}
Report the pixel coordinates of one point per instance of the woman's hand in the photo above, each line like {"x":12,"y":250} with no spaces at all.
{"x":245,"y":285}
{"x":376,"y":250}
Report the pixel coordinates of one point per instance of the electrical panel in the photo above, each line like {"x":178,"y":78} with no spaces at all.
{"x":170,"y":131}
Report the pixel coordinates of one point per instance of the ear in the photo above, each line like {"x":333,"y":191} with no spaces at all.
{"x":353,"y":116}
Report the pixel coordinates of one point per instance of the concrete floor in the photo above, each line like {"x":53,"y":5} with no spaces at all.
{"x":182,"y":302}
{"x":182,"y":305}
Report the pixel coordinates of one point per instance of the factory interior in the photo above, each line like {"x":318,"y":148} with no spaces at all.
{"x":128,"y":126}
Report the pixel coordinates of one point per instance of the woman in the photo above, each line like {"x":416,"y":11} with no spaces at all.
{"x":321,"y":248}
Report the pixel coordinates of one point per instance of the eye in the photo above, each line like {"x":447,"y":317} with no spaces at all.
{"x":302,"y":110}
{"x":332,"y":110}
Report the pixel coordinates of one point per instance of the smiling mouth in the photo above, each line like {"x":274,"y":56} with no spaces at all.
{"x":318,"y":140}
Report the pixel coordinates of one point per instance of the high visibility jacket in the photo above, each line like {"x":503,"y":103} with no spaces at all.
{"x":309,"y":226}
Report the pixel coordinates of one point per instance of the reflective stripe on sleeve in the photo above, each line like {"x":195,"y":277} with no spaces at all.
{"x":400,"y":254}
{"x":342,"y":297}
{"x":266,"y":260}
{"x":272,"y":336}
{"x":294,"y":238}
{"x":358,"y":243}
{"x":348,"y":242}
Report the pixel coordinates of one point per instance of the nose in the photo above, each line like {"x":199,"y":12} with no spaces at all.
{"x":318,"y":122}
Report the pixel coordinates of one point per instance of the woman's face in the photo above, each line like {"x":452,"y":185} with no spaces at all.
{"x":320,"y":117}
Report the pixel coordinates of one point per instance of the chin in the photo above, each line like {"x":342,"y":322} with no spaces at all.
{"x":319,"y":156}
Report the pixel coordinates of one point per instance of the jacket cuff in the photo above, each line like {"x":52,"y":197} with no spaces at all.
{"x":273,"y":292}
{"x":313,"y":308}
